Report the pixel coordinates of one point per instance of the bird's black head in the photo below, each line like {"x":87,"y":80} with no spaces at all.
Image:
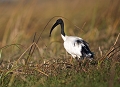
{"x":59,"y":21}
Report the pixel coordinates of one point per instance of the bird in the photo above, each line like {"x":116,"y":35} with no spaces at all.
{"x":75,"y":46}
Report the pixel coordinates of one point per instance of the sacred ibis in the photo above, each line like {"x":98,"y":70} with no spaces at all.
{"x":74,"y":45}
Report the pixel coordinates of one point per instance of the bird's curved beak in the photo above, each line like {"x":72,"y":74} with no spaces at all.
{"x":53,"y":28}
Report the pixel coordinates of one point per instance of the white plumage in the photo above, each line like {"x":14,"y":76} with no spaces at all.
{"x":75,"y":46}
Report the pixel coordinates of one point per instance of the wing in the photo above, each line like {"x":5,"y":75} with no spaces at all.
{"x":85,"y":51}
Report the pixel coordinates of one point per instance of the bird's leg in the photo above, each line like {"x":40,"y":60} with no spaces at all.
{"x":84,"y":64}
{"x":79,"y":64}
{"x":71,"y":60}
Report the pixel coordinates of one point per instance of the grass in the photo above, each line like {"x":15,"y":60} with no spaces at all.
{"x":48,"y":64}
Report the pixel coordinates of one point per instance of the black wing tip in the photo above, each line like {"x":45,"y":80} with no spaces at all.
{"x":92,"y":56}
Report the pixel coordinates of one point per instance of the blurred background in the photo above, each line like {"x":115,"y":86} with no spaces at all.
{"x":20,"y":19}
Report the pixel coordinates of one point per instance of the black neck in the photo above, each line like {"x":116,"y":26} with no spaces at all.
{"x":62,"y":29}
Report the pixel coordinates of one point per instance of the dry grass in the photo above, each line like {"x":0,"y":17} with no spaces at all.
{"x":21,"y":63}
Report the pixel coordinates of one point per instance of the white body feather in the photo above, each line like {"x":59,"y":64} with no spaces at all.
{"x":71,"y":47}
